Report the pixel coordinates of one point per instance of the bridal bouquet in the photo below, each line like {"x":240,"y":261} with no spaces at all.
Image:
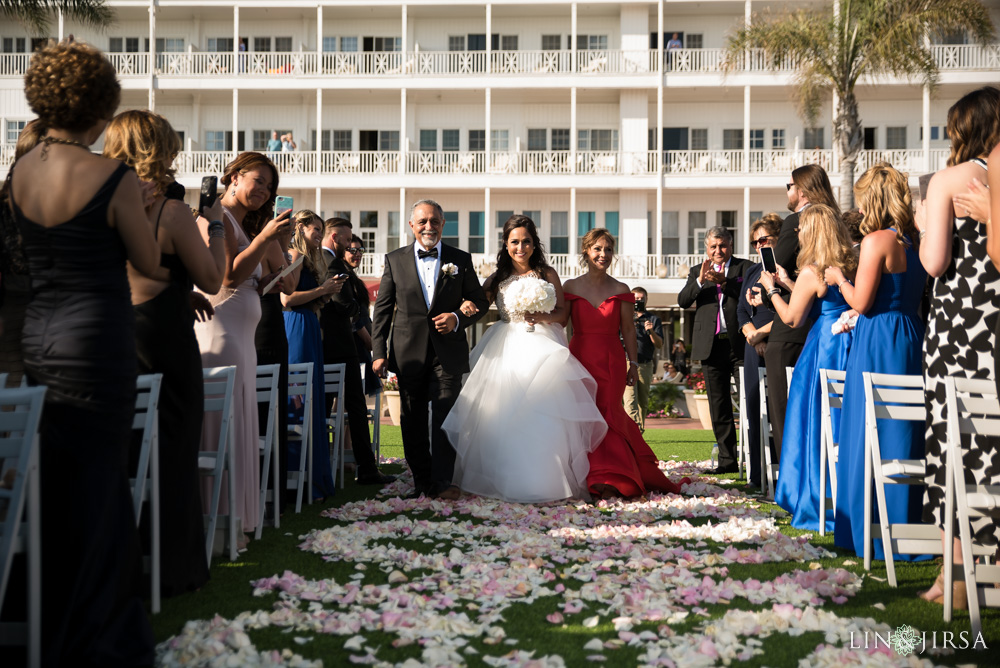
{"x":530,"y":295}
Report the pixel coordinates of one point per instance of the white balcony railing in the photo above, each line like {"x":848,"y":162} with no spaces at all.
{"x":14,"y":64}
{"x":531,"y":62}
{"x":130,"y":64}
{"x":966,"y":57}
{"x":905,"y":160}
{"x":449,"y":62}
{"x":359,"y":162}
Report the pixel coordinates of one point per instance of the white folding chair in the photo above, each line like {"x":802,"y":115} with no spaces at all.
{"x":20,"y":413}
{"x":831,"y":385}
{"x":300,"y":384}
{"x":789,"y":370}
{"x":268,"y":376}
{"x":768,"y":470}
{"x":146,"y":483}
{"x":971,"y":408}
{"x":333,"y":384}
{"x":219,"y":384}
{"x":375,"y":417}
{"x":893,"y":397}
{"x":743,"y":448}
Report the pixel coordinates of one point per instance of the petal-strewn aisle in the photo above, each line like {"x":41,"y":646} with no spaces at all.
{"x":704,"y":578}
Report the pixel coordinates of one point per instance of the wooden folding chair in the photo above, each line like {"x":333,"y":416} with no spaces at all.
{"x":146,"y":483}
{"x":333,"y":384}
{"x":268,"y":376}
{"x":219,"y":385}
{"x":971,"y":408}
{"x":831,"y":385}
{"x":20,"y":528}
{"x":300,"y":384}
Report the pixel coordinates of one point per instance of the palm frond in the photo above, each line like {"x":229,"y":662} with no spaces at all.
{"x":36,"y":15}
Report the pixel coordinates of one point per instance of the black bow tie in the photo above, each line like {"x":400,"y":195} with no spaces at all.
{"x":431,"y":253}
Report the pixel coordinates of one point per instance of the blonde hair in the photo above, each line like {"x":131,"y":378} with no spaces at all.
{"x":312,"y":257}
{"x":145,"y":141}
{"x":883,"y":195}
{"x":591,"y":238}
{"x":824,"y":240}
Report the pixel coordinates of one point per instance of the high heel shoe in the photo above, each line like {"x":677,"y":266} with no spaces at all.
{"x":959,"y":598}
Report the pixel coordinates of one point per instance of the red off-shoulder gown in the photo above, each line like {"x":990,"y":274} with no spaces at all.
{"x":623,"y":459}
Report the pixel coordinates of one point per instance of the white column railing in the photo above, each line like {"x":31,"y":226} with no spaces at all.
{"x":359,"y":162}
{"x":693,"y":60}
{"x":966,"y":56}
{"x":195,"y":63}
{"x":437,"y":162}
{"x":14,"y":64}
{"x":449,"y":62}
{"x":544,"y":162}
{"x":202,"y":162}
{"x":129,"y":64}
{"x":283,"y":63}
{"x":530,"y":62}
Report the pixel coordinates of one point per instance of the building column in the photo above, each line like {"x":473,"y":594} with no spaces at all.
{"x":926,"y":124}
{"x":572,"y":129}
{"x":488,"y":148}
{"x":573,"y":241}
{"x":319,"y":136}
{"x":237,"y":65}
{"x":319,"y":36}
{"x":152,"y":56}
{"x":489,"y":38}
{"x":488,"y":229}
{"x":745,"y":228}
{"x":62,"y":26}
{"x":403,"y":32}
{"x":318,"y":208}
{"x":236,"y":120}
{"x":658,"y":145}
{"x":572,"y":40}
{"x":404,"y":217}
{"x":403,"y":141}
{"x":195,"y":137}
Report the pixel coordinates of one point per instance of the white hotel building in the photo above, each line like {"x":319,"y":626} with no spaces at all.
{"x":573,"y":113}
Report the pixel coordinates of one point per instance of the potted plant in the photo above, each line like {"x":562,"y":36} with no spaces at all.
{"x":390,"y":390}
{"x":697,"y":395}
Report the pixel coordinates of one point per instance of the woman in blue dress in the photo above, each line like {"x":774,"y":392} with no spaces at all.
{"x":887,"y":339}
{"x":825,"y":242}
{"x":305,"y":342}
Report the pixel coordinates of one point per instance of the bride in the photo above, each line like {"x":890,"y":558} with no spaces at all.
{"x":526,"y":419}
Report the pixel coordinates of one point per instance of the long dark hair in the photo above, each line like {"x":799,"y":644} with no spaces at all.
{"x":254,"y":221}
{"x":360,"y":289}
{"x":505,"y":263}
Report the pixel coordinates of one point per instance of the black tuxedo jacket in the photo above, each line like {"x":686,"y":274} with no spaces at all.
{"x":707,"y":304}
{"x":786,"y":253}
{"x":337,"y":316}
{"x":400,"y":308}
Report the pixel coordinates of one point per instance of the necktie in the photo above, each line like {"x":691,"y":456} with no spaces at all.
{"x":427,"y":253}
{"x":718,"y":298}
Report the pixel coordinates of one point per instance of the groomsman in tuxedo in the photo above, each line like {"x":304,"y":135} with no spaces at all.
{"x":336,"y":320}
{"x":715,"y":290}
{"x":423,"y":286}
{"x":809,"y":185}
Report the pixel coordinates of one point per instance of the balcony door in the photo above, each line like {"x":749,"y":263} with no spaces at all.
{"x":478,"y":42}
{"x":368,"y":140}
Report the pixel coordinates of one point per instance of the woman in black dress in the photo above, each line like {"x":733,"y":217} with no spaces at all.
{"x":363,"y":325}
{"x":165,"y":341}
{"x":81,"y":216}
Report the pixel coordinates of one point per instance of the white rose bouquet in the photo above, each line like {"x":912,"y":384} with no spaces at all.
{"x":530,"y":295}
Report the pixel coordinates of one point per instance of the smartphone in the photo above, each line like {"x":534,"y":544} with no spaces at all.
{"x":767,"y":259}
{"x":209,"y":191}
{"x":282,"y":204}
{"x":340,"y":276}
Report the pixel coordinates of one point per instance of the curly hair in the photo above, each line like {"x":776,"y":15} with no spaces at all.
{"x":71,"y":86}
{"x":825,"y":241}
{"x":313,"y":256}
{"x":591,"y":238}
{"x":505,"y":263}
{"x":883,"y":194}
{"x":254,"y":221}
{"x":771,"y":222}
{"x":145,"y":141}
{"x":974,"y":125}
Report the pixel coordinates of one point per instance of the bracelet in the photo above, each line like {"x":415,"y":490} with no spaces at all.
{"x":633,"y":363}
{"x":216,"y":230}
{"x":846,"y":280}
{"x":923,"y":233}
{"x":773,"y":291}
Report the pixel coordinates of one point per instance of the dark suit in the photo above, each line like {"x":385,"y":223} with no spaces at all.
{"x":719,"y":354}
{"x":784,"y":343}
{"x":336,"y":321}
{"x":429,"y":364}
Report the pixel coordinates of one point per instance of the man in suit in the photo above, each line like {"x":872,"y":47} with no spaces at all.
{"x":336,"y":321}
{"x":715,"y":290}
{"x":809,"y":185}
{"x":422,"y":288}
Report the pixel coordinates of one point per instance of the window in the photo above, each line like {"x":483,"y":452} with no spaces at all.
{"x":456,"y":42}
{"x":696,"y":223}
{"x":732,"y":140}
{"x":727,"y":219}
{"x":325,"y":141}
{"x":259,"y":139}
{"x":699,"y":139}
{"x":283,"y":44}
{"x":778,"y":139}
{"x":388,"y":140}
{"x":813,"y":138}
{"x":559,"y":240}
{"x":368,"y":229}
{"x":450,"y":233}
{"x":346,"y":215}
{"x":611,"y":222}
{"x":220,"y":44}
{"x":584,"y":222}
{"x":215,"y":140}
{"x":14,"y":44}
{"x":428,"y":140}
{"x":125,"y":45}
{"x":597,"y":140}
{"x":551,"y":42}
{"x":170,"y":44}
{"x":508,"y":43}
{"x":393,"y":232}
{"x":329,"y":44}
{"x":342,"y":141}
{"x":694,"y":40}
{"x":757,"y":139}
{"x":449,"y":140}
{"x":937,"y":132}
{"x":262,"y":44}
{"x":671,"y":232}
{"x":14,"y":130}
{"x":499,"y":140}
{"x":349,"y":44}
{"x":477,"y":140}
{"x":560,"y":139}
{"x":536,"y":217}
{"x":502,"y":217}
{"x":536,"y":139}
{"x":382,"y":44}
{"x":476,"y":232}
{"x":590,"y":42}
{"x":895,"y":138}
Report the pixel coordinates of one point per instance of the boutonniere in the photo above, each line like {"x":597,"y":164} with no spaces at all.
{"x":739,"y":279}
{"x":449,"y":270}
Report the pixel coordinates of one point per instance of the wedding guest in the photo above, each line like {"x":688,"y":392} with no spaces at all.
{"x":679,"y":352}
{"x":825,"y":242}
{"x":274,"y":144}
{"x":755,"y":324}
{"x":649,"y":337}
{"x":363,"y":324}
{"x":79,"y":341}
{"x":967,"y":291}
{"x":288,"y":143}
{"x":165,"y":340}
{"x":603,"y":314}
{"x":852,"y":220}
{"x":313,"y":288}
{"x":531,"y":375}
{"x":672,"y":375}
{"x":251,"y":183}
{"x":886,"y":293}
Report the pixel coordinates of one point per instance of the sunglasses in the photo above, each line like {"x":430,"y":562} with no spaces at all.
{"x":760,"y":241}
{"x":355,"y":251}
{"x":789,"y":186}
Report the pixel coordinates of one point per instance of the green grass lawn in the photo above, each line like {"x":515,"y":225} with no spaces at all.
{"x":525,"y":625}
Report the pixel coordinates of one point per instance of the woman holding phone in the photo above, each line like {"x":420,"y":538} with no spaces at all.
{"x":251,"y":181}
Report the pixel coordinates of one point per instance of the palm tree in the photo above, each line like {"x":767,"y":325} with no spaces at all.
{"x":36,"y":14}
{"x":834,"y":47}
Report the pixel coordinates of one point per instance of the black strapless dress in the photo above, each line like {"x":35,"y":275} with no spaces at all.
{"x":272,"y":348}
{"x":79,"y":340}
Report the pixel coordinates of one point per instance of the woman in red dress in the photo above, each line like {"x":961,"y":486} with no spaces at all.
{"x":603,"y":314}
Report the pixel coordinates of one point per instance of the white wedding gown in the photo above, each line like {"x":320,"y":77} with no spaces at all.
{"x":526,"y":419}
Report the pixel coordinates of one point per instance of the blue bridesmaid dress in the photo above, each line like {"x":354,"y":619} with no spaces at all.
{"x":305,"y":344}
{"x":887,"y":339}
{"x":798,"y":486}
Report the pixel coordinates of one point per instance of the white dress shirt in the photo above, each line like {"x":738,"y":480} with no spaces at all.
{"x":428,"y":269}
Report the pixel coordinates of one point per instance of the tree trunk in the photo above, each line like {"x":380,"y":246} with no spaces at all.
{"x":849,"y":139}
